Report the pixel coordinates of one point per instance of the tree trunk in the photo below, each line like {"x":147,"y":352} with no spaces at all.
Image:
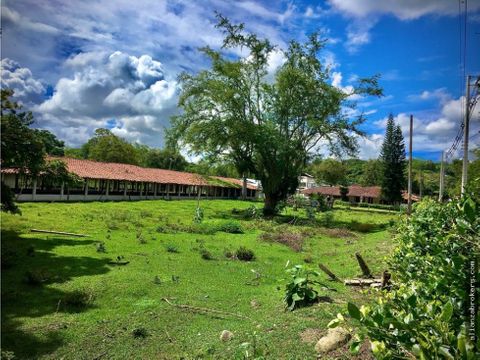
{"x":270,"y":204}
{"x":244,"y":187}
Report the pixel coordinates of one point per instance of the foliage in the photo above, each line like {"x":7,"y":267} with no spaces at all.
{"x":51,"y":144}
{"x":424,"y":314}
{"x":267,"y":128}
{"x":392,"y":156}
{"x":344,"y":193}
{"x":8,"y":202}
{"x":299,"y":291}
{"x":172,"y":248}
{"x":107,"y":147}
{"x":55,"y":172}
{"x":330,"y":172}
{"x":205,"y":254}
{"x":168,"y":158}
{"x":372,"y":173}
{"x":231,"y":227}
{"x":198,"y":217}
{"x":244,"y":254}
{"x":78,"y":299}
{"x":101,"y":247}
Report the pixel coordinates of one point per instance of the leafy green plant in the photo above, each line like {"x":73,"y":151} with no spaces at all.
{"x":198,"y":217}
{"x":231,"y":227}
{"x":172,"y":248}
{"x":101,"y":247}
{"x":299,"y":291}
{"x":244,"y":254}
{"x":206,"y":255}
{"x":423,"y":316}
{"x":78,"y":299}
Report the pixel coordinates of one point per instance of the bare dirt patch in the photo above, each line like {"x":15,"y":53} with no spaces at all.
{"x":311,"y":335}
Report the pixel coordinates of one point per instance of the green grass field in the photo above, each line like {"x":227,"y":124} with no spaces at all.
{"x":126,"y":316}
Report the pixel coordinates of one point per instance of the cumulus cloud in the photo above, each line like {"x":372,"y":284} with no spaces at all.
{"x":132,"y":91}
{"x":437,"y":132}
{"x":26,"y":88}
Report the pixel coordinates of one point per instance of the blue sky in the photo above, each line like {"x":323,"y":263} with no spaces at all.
{"x":89,"y":64}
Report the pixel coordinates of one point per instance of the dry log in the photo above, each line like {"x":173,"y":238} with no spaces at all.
{"x":327,"y":271}
{"x":58,"y":233}
{"x":363,"y":265}
{"x":362,"y":282}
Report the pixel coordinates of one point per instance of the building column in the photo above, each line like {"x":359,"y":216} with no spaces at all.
{"x":155,"y":185}
{"x":107,"y":188}
{"x":141,"y":188}
{"x":86,"y":187}
{"x":125,"y":184}
{"x":34,"y":189}
{"x":178,"y":190}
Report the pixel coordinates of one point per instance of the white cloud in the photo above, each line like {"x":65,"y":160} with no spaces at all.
{"x":358,"y":34}
{"x":133,"y":91}
{"x":402,"y":9}
{"x":440,"y":94}
{"x":435,"y":132}
{"x":26,"y":88}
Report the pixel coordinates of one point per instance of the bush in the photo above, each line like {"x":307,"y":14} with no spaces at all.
{"x":78,"y":299}
{"x":328,"y":219}
{"x":299,"y":291}
{"x":244,"y":254}
{"x":36,"y":277}
{"x":424,"y":314}
{"x":101,"y":247}
{"x":172,"y":248}
{"x":206,"y":255}
{"x":231,"y":228}
{"x":139,"y":333}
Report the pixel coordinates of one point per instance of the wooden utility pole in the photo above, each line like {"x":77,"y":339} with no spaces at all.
{"x":410,"y":167}
{"x":465,"y":135}
{"x":442,"y":178}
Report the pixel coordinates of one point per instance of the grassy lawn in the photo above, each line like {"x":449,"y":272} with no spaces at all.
{"x":127,"y":318}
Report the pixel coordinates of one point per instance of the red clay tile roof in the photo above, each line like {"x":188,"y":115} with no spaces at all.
{"x":354,"y":190}
{"x":89,"y":169}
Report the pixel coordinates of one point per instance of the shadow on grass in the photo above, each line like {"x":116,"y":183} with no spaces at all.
{"x":27,"y":269}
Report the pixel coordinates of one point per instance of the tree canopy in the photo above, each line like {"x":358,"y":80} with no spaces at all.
{"x":392,"y":156}
{"x":330,"y":172}
{"x":234,"y":110}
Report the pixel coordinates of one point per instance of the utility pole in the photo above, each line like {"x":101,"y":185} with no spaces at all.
{"x":442,"y":178}
{"x":465,"y":135}
{"x":410,"y":168}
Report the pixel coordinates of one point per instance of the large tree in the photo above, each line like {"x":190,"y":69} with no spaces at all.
{"x":167,"y":158}
{"x":331,"y":172}
{"x":266,"y":127}
{"x":106,"y":146}
{"x":372,"y":173}
{"x":392,"y":156}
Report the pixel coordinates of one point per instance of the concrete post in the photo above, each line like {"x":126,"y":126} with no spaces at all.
{"x":107,"y":189}
{"x":62,"y":190}
{"x":125,"y":184}
{"x":86,"y":187}
{"x":155,"y":185}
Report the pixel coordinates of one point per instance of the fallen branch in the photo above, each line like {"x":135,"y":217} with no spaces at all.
{"x":205,"y":310}
{"x":327,"y":271}
{"x":58,"y":233}
{"x":363,"y":265}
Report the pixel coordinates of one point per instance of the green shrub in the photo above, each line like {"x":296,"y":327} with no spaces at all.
{"x":231,"y":227}
{"x":36,"y":277}
{"x":101,"y":247}
{"x":328,"y":219}
{"x":244,"y":254}
{"x":198,"y":216}
{"x":299,"y":291}
{"x":206,"y":255}
{"x":423,"y":316}
{"x":172,"y":248}
{"x":78,"y":299}
{"x":139,"y":333}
